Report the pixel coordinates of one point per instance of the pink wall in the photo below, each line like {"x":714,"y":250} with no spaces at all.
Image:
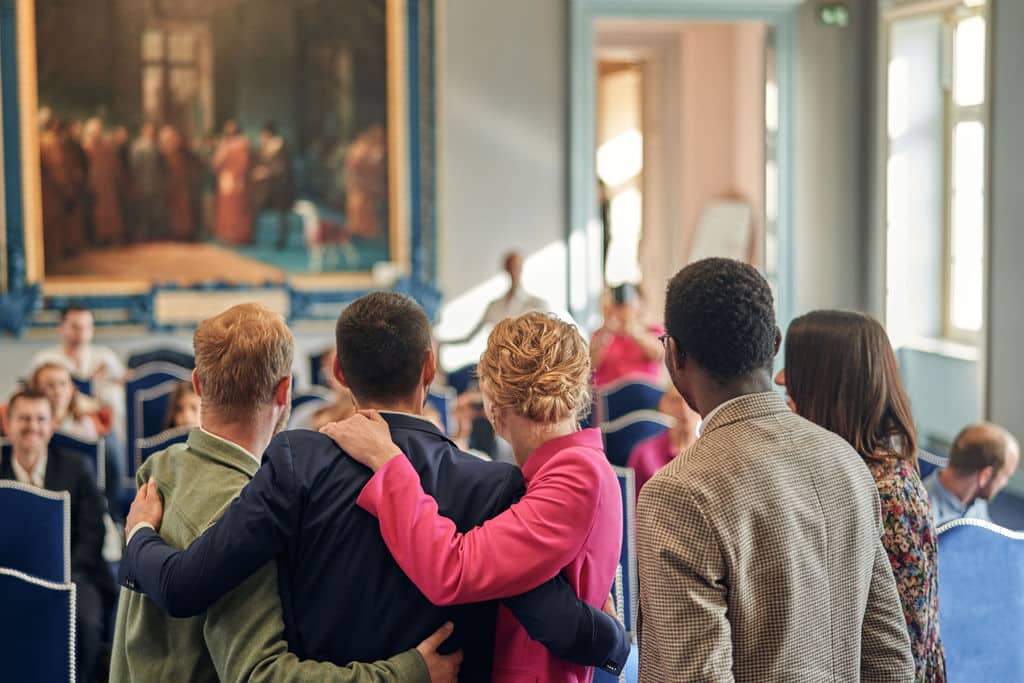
{"x":722,"y":119}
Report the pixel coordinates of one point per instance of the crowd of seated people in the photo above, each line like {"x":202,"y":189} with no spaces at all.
{"x":778,"y":537}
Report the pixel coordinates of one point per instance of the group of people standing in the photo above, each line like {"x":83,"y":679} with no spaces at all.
{"x":100,"y":188}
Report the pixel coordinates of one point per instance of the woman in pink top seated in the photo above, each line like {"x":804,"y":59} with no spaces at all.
{"x":623,"y":345}
{"x":534,"y":377}
{"x":650,"y":455}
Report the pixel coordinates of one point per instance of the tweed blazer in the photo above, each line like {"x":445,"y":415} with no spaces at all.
{"x":761,"y":558}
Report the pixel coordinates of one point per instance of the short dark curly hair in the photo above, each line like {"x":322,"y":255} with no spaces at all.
{"x":721,"y":313}
{"x":382,"y":339}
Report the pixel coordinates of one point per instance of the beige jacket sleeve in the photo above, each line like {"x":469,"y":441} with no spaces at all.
{"x":244,"y":633}
{"x":684,"y":632}
{"x":885,"y":655}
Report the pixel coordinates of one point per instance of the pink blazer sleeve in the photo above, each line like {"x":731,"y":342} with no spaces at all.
{"x":512,"y":553}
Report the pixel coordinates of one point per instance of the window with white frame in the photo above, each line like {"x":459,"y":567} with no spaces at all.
{"x":935,"y":169}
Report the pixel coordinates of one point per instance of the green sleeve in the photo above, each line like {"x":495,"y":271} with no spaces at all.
{"x":244,"y":634}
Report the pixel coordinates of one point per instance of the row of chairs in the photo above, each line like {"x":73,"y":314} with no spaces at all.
{"x":37,"y":597}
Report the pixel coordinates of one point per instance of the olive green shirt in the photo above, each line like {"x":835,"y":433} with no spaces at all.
{"x":241,"y":637}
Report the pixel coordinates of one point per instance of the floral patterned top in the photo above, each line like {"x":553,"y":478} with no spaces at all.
{"x":909,"y":539}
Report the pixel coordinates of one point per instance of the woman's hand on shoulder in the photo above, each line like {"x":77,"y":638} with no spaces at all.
{"x":366,"y":438}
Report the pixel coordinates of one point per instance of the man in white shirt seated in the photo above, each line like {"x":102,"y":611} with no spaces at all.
{"x":98,"y":364}
{"x":983,"y":458}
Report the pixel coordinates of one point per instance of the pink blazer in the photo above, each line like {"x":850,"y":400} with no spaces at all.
{"x":569,"y":522}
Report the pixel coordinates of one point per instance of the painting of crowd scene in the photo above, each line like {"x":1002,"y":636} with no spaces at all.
{"x":222,"y":139}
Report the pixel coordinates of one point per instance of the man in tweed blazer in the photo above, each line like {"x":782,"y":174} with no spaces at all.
{"x":759,"y":546}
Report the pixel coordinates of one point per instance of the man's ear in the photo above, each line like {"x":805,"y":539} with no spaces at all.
{"x":672,"y":355}
{"x":336,"y":369}
{"x":985,"y":475}
{"x":282,"y":392}
{"x":196,"y":384}
{"x":778,"y":339}
{"x":429,"y":368}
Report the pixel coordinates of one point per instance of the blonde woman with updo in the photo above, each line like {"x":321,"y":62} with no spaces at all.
{"x":534,"y":377}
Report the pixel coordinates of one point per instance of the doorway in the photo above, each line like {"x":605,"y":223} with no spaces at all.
{"x":680,"y":147}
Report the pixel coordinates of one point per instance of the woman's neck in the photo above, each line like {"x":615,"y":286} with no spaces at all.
{"x":526,"y":436}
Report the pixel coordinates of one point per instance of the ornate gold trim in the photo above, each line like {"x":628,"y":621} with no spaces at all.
{"x":399,"y":211}
{"x":28,"y":98}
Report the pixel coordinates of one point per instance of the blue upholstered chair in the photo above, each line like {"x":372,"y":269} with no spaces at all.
{"x":627,"y":556}
{"x":622,"y":434}
{"x":183,"y":359}
{"x":443,"y":400}
{"x":626,"y":395}
{"x":35,"y":531}
{"x":146,"y":397}
{"x":981,"y":600}
{"x":83,"y":385}
{"x":37,"y":628}
{"x":463,"y":378}
{"x":159,"y":442}
{"x":929,"y":462}
{"x":316,"y":374}
{"x":92,"y":451}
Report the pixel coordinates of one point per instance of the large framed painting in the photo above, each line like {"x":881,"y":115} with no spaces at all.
{"x":165,"y":158}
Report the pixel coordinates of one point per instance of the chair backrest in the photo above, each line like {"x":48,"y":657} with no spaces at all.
{"x":463,"y":378}
{"x":305,"y":405}
{"x":928,"y":462}
{"x":623,"y":434}
{"x":146,"y":396}
{"x":316,"y":372}
{"x":981,"y":600}
{"x":35,"y":531}
{"x":182,"y":359}
{"x":159,"y":442}
{"x":627,"y":556}
{"x":626,"y":395}
{"x":93,"y":451}
{"x":37,"y":628}
{"x":443,"y":399}
{"x":83,"y":384}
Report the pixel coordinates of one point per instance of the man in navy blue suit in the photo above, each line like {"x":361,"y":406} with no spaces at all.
{"x":344,"y":597}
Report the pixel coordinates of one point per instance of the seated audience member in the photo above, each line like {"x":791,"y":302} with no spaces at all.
{"x":315,"y":414}
{"x":74,"y":413}
{"x":344,"y":406}
{"x":84,"y":418}
{"x":182,"y":407}
{"x":243,"y":374}
{"x":756,"y":562}
{"x":301,"y":508}
{"x":983,"y":458}
{"x":650,"y":455}
{"x":841,"y":374}
{"x":98,"y":364}
{"x":623,"y":345}
{"x":535,"y":379}
{"x":515,"y":302}
{"x":34,"y":462}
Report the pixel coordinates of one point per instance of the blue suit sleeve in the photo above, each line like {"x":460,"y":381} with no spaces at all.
{"x":569,"y":628}
{"x":555,"y":617}
{"x":254,"y":530}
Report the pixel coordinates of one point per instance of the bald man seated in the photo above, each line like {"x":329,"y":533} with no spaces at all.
{"x":983,"y":458}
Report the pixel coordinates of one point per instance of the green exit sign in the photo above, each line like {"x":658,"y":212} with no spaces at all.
{"x":834,"y":14}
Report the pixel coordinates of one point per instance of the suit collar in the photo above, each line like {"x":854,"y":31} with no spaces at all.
{"x":416,"y":423}
{"x":747,"y":407}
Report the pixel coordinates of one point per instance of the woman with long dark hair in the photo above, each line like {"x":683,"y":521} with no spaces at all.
{"x":841,"y":374}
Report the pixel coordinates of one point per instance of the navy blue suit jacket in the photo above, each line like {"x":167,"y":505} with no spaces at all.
{"x":344,"y":597}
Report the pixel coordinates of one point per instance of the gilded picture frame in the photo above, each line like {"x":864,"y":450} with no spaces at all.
{"x":30,"y":297}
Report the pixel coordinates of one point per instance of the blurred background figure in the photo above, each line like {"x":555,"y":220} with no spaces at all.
{"x":182,"y":185}
{"x":623,"y":345}
{"x":273,"y":180}
{"x":183,"y":407}
{"x":105,"y":179}
{"x":148,"y":171}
